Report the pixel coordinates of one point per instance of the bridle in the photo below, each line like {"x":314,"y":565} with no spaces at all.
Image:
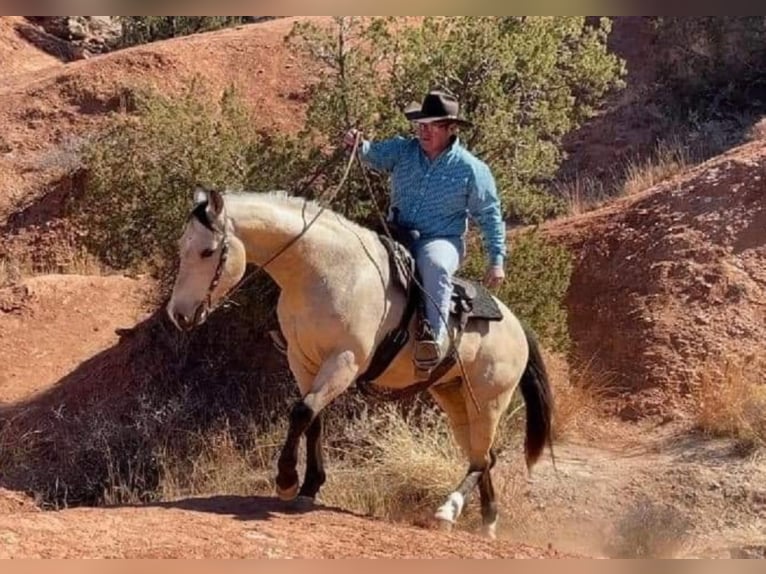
{"x":222,"y":258}
{"x":201,"y":216}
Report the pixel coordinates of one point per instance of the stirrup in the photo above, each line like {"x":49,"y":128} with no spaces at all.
{"x":427,"y":355}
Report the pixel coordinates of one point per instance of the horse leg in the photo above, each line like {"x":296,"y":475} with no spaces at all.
{"x":488,"y":503}
{"x":448,"y":513}
{"x":287,"y":475}
{"x":334,"y":377}
{"x":483,"y":428}
{"x":315,"y":474}
{"x":451,"y":401}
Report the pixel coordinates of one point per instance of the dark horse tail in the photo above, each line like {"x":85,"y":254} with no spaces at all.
{"x":536,"y":390}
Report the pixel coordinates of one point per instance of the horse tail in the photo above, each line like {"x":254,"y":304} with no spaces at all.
{"x":536,"y":390}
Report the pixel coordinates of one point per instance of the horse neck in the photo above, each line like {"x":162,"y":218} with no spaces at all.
{"x":266,"y":224}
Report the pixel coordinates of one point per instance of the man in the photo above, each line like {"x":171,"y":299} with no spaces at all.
{"x":436,"y":183}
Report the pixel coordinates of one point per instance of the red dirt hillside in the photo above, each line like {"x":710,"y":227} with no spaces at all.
{"x":17,"y":53}
{"x":670,"y":277}
{"x":45,"y":110}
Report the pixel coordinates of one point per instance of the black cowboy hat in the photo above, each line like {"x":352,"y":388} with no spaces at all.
{"x":437,"y":106}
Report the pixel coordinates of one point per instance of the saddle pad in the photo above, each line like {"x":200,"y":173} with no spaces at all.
{"x":483,"y":305}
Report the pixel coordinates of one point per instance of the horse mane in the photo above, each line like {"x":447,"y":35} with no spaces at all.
{"x":310,"y":207}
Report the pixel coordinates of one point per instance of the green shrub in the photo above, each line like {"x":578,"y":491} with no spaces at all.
{"x":142,"y":168}
{"x":537,"y":278}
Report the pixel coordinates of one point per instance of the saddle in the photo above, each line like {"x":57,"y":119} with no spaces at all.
{"x":470,"y":302}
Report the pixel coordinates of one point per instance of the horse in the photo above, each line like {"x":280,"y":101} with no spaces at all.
{"x":338,"y":301}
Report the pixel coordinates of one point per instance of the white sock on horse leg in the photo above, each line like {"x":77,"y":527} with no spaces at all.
{"x":451,"y":509}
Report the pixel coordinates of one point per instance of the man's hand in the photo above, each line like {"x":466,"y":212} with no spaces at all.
{"x":494,"y":276}
{"x":350,"y":137}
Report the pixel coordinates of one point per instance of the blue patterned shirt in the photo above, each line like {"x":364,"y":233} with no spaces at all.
{"x":435,"y":197}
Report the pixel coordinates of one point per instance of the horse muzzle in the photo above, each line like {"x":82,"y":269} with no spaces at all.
{"x":185,"y":322}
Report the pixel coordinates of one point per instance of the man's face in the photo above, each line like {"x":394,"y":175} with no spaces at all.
{"x":434,"y":137}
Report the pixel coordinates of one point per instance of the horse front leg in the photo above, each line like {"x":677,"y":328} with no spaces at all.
{"x":315,"y":473}
{"x":334,"y":377}
{"x":287,"y":474}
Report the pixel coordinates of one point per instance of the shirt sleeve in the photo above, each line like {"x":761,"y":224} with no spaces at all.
{"x":382,"y":155}
{"x":484,"y":207}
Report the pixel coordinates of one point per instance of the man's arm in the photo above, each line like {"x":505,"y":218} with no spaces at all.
{"x":381,"y":155}
{"x":484,"y":207}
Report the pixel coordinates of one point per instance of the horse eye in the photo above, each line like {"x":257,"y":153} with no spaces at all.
{"x":207,"y":253}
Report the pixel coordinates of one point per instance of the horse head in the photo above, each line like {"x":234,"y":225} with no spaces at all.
{"x":211,"y":261}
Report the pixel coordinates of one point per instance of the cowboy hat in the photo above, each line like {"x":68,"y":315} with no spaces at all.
{"x":437,"y":106}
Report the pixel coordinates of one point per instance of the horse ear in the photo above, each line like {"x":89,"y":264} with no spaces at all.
{"x":200,"y":195}
{"x":216,"y":202}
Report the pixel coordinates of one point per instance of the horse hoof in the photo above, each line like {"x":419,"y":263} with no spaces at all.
{"x":490,"y":531}
{"x":287,"y":494}
{"x":302,"y":502}
{"x":445,"y":525}
{"x":450,"y":510}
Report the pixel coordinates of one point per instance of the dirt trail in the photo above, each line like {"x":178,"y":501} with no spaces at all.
{"x":234,"y":527}
{"x":681,"y":494}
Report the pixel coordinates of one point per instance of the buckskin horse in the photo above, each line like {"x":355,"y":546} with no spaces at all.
{"x":346,"y":315}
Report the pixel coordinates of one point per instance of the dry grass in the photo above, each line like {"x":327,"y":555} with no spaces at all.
{"x":585,"y":193}
{"x":581,"y":397}
{"x":582,"y":194}
{"x":77,"y":261}
{"x":65,"y":157}
{"x":221,"y":467}
{"x":74,"y":260}
{"x":9,"y":272}
{"x":649,"y":530}
{"x":668,"y":160}
{"x":388,"y":462}
{"x":404,"y":465}
{"x":731,"y":399}
{"x":382,"y":463}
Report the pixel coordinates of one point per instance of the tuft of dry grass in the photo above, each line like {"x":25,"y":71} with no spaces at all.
{"x":582,"y":194}
{"x":9,"y":272}
{"x":581,"y":397}
{"x":70,"y":260}
{"x":731,"y":399}
{"x":669,"y":159}
{"x":649,"y":530}
{"x":220,"y":466}
{"x":402,"y":466}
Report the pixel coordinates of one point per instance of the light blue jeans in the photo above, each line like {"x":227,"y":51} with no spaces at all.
{"x":438,"y":259}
